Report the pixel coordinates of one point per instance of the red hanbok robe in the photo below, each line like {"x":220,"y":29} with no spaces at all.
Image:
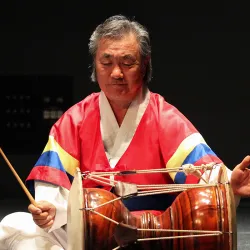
{"x":164,"y":138}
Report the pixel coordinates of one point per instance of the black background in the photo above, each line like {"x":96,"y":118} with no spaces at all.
{"x":200,"y":56}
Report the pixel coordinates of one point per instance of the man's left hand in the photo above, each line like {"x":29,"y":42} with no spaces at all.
{"x":240,"y":179}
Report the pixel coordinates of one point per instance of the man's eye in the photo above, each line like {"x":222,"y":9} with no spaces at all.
{"x":106,"y":63}
{"x":127,"y":64}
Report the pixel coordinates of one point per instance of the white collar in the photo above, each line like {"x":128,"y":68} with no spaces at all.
{"x":117,"y":139}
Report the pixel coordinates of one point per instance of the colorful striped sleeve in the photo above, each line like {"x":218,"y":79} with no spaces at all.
{"x":192,"y":150}
{"x":181,"y":143}
{"x":60,"y":157}
{"x":55,"y":165}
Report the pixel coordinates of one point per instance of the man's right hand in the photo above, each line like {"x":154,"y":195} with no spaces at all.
{"x":43,"y":214}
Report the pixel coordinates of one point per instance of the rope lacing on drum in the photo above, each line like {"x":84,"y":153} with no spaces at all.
{"x":192,"y":233}
{"x":104,"y":178}
{"x":125,"y":190}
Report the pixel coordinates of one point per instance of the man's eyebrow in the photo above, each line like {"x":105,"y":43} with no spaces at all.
{"x":125,"y":57}
{"x":106,"y":55}
{"x":129,"y":56}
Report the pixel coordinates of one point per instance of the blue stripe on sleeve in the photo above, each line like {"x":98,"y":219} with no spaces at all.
{"x":50,"y":159}
{"x":196,"y":154}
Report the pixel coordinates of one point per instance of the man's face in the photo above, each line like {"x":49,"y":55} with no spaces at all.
{"x":119,"y":68}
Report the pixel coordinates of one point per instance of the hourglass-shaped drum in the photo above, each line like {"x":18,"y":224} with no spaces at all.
{"x":200,"y":218}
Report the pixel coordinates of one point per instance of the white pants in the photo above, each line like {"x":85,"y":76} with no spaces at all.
{"x":19,"y":232}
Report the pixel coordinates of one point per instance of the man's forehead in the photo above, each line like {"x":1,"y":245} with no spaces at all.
{"x":113,"y":49}
{"x":125,"y":41}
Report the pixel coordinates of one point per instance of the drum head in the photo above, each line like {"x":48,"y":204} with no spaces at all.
{"x":231,"y":206}
{"x":75,"y":216}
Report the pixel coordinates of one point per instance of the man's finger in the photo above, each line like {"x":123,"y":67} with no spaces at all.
{"x":41,"y":222}
{"x":41,"y":216}
{"x":49,"y":224}
{"x":45,"y":206}
{"x":34,"y":210}
{"x":245,"y":163}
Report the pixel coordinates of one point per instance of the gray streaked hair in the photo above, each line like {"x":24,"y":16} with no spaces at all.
{"x":115,"y":27}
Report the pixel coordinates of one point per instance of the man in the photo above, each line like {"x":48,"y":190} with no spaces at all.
{"x":124,"y":127}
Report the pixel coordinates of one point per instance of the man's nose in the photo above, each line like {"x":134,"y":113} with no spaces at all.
{"x":117,"y":72}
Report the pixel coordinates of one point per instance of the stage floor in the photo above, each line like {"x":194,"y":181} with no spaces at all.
{"x":243,"y":218}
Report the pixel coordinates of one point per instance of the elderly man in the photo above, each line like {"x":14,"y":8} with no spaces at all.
{"x":123,"y":127}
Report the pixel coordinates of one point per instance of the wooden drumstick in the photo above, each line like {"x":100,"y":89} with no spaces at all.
{"x":30,"y":197}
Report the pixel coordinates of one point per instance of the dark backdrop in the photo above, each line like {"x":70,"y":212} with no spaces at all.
{"x":200,"y":55}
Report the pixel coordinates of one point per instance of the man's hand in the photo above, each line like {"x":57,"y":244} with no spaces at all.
{"x":240,"y":179}
{"x":44,"y":214}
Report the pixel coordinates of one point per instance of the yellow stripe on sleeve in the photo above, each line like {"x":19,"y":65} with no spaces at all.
{"x":184,"y":149}
{"x":69,"y":162}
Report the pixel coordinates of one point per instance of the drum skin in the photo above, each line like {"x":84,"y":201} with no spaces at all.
{"x":203,"y":208}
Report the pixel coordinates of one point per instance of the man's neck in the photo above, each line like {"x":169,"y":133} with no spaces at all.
{"x":120,"y":108}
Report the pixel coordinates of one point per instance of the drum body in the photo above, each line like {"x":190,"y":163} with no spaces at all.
{"x":206,"y":208}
